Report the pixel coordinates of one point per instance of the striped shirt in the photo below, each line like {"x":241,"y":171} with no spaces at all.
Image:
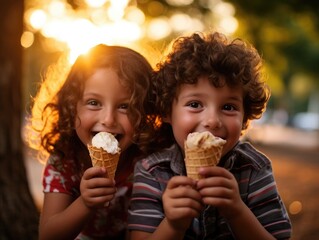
{"x":256,"y":182}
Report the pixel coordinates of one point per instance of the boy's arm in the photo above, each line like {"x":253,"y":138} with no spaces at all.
{"x":163,"y":232}
{"x":181,"y":203}
{"x":220,"y":189}
{"x":245,"y":225}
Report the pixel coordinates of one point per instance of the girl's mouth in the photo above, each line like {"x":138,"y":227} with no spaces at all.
{"x":117,"y":136}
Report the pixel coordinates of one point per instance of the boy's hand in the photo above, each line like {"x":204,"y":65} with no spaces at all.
{"x":182,"y":202}
{"x":219,"y":188}
{"x":96,"y":189}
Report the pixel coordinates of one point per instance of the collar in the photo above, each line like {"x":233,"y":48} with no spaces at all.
{"x":177,"y":163}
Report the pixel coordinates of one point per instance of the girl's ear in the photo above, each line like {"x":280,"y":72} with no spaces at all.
{"x":167,"y":119}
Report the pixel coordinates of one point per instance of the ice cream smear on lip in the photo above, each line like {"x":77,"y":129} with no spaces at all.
{"x":203,"y":140}
{"x":107,"y":141}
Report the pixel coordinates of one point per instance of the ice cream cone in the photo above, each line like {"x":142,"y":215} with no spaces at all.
{"x":102,"y":158}
{"x":201,"y":157}
{"x":202,"y":150}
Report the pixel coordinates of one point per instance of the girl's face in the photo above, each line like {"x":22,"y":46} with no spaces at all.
{"x":202,"y":107}
{"x":104,"y":108}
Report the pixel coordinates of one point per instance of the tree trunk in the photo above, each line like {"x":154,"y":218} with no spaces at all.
{"x":18,"y":213}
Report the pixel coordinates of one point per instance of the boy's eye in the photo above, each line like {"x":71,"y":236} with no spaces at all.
{"x":194,"y":104}
{"x":229,"y":107}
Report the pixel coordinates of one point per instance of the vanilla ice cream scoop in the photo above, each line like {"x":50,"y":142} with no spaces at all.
{"x":203,"y":140}
{"x":105,"y":152}
{"x":202,"y":149}
{"x":106,"y":141}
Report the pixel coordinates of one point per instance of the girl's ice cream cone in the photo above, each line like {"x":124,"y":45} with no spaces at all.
{"x":201,"y":150}
{"x":104,"y":152}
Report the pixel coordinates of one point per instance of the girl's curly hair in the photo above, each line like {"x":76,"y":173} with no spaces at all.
{"x":54,"y":109}
{"x":234,"y":63}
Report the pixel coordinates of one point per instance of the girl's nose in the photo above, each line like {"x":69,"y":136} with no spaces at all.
{"x":108,"y":118}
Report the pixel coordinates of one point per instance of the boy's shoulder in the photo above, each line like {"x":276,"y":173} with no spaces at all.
{"x":246,"y":153}
{"x":162,"y":157}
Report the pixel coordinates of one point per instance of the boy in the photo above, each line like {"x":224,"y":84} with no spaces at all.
{"x":207,"y":83}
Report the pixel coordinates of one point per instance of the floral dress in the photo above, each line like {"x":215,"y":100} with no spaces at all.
{"x":106,"y":223}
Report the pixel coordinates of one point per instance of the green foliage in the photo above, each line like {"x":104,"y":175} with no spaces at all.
{"x":286,"y":34}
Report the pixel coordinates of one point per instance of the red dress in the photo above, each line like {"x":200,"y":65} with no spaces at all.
{"x":108,"y":222}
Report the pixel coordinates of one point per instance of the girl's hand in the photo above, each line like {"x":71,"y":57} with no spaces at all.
{"x":96,"y":190}
{"x":219,"y":188}
{"x":182,"y":202}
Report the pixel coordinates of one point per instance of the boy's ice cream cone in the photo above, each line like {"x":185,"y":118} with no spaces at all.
{"x":202,"y":150}
{"x":104,"y":152}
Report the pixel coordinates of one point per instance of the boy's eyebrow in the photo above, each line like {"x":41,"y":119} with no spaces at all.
{"x":236,"y":98}
{"x":231,"y":97}
{"x":181,"y":96}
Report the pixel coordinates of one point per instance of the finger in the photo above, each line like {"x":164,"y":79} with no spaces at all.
{"x":187,"y":203}
{"x":217,"y":201}
{"x":216,"y":192}
{"x":214,"y":171}
{"x":99,"y":201}
{"x":180,"y":181}
{"x":99,"y":182}
{"x":106,"y":190}
{"x":183,"y":212}
{"x":185,"y":192}
{"x":93,"y":172}
{"x":214,"y":182}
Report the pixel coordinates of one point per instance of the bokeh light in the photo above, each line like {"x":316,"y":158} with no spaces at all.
{"x":37,"y":18}
{"x":295,"y":207}
{"x":27,"y":39}
{"x":91,"y":22}
{"x":95,"y":3}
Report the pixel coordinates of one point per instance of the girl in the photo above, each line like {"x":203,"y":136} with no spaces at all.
{"x":105,"y":90}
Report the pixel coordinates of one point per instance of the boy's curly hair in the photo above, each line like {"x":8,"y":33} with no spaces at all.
{"x":54,"y":109}
{"x":234,"y":63}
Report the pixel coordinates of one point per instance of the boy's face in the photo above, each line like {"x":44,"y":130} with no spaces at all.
{"x":203,"y":107}
{"x":103,"y":108}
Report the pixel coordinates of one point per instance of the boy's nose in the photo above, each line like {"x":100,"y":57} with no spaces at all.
{"x":212,"y":121}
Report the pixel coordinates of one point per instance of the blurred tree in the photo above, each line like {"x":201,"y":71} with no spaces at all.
{"x":286,"y":33}
{"x":18,"y":214}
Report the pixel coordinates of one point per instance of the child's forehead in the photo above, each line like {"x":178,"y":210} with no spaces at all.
{"x":205,"y":84}
{"x":215,"y":80}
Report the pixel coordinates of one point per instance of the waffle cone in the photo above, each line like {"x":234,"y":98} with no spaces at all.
{"x":102,"y":158}
{"x":201,"y":157}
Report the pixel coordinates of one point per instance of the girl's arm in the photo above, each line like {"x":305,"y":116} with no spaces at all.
{"x":63,"y":217}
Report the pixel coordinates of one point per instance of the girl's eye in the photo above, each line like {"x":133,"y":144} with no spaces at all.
{"x":92,"y":102}
{"x":123,"y":106}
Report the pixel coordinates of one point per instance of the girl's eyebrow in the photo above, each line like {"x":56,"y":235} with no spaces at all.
{"x":90,"y":93}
